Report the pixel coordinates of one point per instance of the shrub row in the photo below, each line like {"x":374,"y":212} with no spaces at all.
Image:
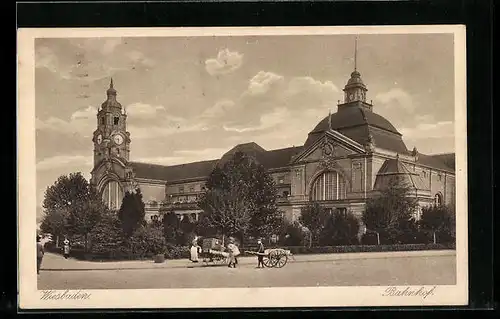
{"x":183,"y":252}
{"x":298,"y":250}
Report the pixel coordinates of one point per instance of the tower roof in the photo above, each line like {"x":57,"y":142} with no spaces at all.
{"x":355,"y":80}
{"x":395,"y":169}
{"x":111,"y":90}
{"x":111,"y":100}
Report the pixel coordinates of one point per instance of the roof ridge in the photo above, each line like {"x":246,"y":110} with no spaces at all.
{"x":160,"y":165}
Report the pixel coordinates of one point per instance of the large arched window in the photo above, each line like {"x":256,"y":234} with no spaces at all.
{"x":438,"y":199}
{"x":112,"y":195}
{"x":328,"y":186}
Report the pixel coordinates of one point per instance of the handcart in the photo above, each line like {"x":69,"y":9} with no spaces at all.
{"x":213,"y":252}
{"x":273,"y":258}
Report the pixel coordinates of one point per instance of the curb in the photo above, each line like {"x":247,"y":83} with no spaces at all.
{"x":336,"y":257}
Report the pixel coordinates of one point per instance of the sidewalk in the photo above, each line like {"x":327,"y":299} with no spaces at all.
{"x":53,"y":262}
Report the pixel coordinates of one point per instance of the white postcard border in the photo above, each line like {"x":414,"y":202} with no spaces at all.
{"x":30,"y":297}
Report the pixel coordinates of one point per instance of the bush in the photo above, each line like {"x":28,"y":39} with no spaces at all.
{"x":147,"y":240}
{"x":177,"y":252}
{"x":293,"y":235}
{"x":340,"y":229}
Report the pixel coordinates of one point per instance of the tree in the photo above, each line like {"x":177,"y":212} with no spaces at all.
{"x":132,"y":212}
{"x":314,"y":217}
{"x":340,"y":229}
{"x":84,"y":215}
{"x":226,"y":211}
{"x":106,"y":236}
{"x":204,"y":227}
{"x":390,"y":212}
{"x":187,"y":226}
{"x":71,"y":207}
{"x":240,"y":195}
{"x":170,"y":227}
{"x":438,"y":219}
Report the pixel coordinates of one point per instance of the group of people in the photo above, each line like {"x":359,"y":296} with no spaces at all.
{"x":40,"y":251}
{"x":233,"y":250}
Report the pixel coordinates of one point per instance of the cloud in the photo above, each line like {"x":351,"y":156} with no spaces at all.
{"x":308,"y":84}
{"x":85,"y":114}
{"x":61,"y":161}
{"x":139,"y":57}
{"x":218,"y":109}
{"x":104,"y":46}
{"x":81,"y":122}
{"x":271,"y":98}
{"x":396,"y":98}
{"x":169,"y":128}
{"x":88,"y":59}
{"x":225,"y":62}
{"x":430,"y":130}
{"x":267,"y":121}
{"x":262,"y":82}
{"x":145,"y":111}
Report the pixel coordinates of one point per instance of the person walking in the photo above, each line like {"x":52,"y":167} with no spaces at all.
{"x":234,"y":252}
{"x":260,"y":258}
{"x":39,"y":254}
{"x":66,"y":248}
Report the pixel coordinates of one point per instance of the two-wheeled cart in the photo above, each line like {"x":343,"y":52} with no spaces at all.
{"x":212,"y":252}
{"x":273,"y":258}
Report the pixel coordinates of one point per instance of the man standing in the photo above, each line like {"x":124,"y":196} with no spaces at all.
{"x":260,"y":257}
{"x":39,"y":254}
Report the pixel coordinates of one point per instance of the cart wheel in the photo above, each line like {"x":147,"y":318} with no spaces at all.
{"x":281,"y":261}
{"x":219,"y":260}
{"x":267,"y":261}
{"x":274,"y":257}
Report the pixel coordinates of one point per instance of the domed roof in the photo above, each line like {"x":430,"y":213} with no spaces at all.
{"x":362,"y":126}
{"x":355,"y":79}
{"x":353,"y":116}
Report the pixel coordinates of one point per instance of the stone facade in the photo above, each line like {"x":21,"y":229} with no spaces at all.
{"x":344,"y":161}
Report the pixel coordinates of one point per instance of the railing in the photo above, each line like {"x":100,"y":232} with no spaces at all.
{"x":180,"y":205}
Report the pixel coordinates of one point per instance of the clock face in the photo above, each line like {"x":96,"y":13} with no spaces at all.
{"x":99,"y":139}
{"x":118,"y":139}
{"x":351,"y":96}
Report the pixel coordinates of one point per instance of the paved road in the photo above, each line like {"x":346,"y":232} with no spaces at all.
{"x":409,"y":270}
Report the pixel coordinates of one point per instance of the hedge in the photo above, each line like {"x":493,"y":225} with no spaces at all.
{"x":303,"y":250}
{"x":183,"y":252}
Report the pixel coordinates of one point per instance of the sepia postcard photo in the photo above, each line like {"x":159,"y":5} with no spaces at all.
{"x":242,"y":167}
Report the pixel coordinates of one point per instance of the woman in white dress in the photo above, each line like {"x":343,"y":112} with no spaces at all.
{"x":194,"y":251}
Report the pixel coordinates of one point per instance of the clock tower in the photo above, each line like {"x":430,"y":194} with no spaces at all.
{"x":111,"y":138}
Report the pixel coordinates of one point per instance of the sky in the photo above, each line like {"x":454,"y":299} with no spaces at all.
{"x":194,"y":98}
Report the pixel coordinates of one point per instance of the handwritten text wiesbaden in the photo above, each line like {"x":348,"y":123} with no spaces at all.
{"x":64,"y":295}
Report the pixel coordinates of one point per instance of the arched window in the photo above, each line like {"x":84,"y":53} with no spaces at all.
{"x":112,"y":195}
{"x":328,"y":186}
{"x":438,"y":199}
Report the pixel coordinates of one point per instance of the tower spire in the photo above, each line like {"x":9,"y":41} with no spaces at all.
{"x":355,"y":53}
{"x":111,"y":83}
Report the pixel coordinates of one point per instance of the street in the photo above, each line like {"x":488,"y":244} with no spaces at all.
{"x":433,"y":269}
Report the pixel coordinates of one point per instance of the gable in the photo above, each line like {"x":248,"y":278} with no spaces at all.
{"x":332,"y":145}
